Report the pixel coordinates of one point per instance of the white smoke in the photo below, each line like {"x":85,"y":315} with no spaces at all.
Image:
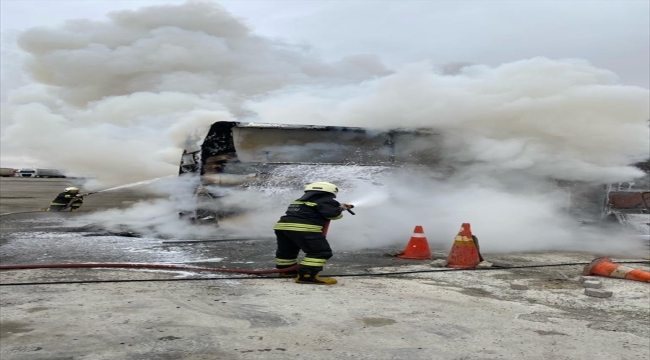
{"x":535,"y":216}
{"x":532,"y":216}
{"x":119,"y":99}
{"x":559,"y":119}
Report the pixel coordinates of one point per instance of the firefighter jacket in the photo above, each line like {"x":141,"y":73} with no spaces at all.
{"x":64,"y":199}
{"x":310,"y":213}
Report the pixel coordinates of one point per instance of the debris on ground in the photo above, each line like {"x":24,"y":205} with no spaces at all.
{"x":599,"y":293}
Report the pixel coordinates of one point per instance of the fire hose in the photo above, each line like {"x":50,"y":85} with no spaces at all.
{"x":22,"y":212}
{"x":365,"y":274}
{"x":143,"y":266}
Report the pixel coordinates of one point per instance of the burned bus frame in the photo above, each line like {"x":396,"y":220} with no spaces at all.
{"x":219,"y":162}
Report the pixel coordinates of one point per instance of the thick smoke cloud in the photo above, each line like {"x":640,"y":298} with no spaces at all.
{"x":557,"y":119}
{"x":118,"y":99}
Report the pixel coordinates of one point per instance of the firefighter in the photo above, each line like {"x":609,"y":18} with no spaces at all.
{"x":301,"y":228}
{"x":70,"y":198}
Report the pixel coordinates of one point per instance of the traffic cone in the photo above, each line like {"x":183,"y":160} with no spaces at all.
{"x":418,"y":247}
{"x":465,"y":253}
{"x":603,"y":266}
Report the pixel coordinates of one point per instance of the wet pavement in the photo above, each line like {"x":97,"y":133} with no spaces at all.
{"x":50,"y":238}
{"x":38,"y":237}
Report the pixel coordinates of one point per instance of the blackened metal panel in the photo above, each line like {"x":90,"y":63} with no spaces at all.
{"x":218,"y":147}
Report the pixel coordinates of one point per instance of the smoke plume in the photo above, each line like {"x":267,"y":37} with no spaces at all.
{"x":118,"y":99}
{"x":556,"y":119}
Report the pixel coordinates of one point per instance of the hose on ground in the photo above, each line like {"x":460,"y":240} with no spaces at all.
{"x":23,"y":212}
{"x":396,"y":273}
{"x":215,"y":240}
{"x":143,"y":266}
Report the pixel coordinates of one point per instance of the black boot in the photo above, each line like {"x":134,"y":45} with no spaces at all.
{"x":310,"y":276}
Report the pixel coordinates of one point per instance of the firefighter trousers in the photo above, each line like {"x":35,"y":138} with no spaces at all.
{"x":315,"y":246}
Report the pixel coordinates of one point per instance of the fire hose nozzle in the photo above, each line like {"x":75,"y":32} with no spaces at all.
{"x":347,"y":208}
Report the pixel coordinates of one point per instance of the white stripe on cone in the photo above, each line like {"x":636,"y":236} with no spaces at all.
{"x":620,"y":272}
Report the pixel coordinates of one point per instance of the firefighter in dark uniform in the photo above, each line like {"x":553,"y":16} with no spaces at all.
{"x":301,"y":228}
{"x":70,"y":198}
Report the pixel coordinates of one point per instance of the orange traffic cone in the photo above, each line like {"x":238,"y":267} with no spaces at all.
{"x":465,"y":253}
{"x":604,"y":266}
{"x":418,"y":247}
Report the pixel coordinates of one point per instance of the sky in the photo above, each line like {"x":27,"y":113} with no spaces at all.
{"x":613,"y":35}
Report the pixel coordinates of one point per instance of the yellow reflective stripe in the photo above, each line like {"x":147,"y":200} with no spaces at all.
{"x":298,"y":227}
{"x":300,"y":230}
{"x":304,"y":226}
{"x":53,"y":203}
{"x":304,"y":203}
{"x":308,"y":261}
{"x":285,"y":261}
{"x":295,"y":229}
{"x":336,"y":217}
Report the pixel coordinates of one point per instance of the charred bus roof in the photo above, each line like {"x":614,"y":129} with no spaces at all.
{"x":230,"y":145}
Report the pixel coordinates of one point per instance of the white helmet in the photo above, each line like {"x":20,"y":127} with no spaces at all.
{"x":71,"y":189}
{"x":322,"y":186}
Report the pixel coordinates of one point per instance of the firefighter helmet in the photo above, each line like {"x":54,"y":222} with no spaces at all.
{"x":322,"y":186}
{"x":71,"y":189}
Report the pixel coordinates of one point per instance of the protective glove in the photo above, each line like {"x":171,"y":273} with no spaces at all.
{"x":347,"y":206}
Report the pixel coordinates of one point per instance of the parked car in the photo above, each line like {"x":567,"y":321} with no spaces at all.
{"x":40,"y":173}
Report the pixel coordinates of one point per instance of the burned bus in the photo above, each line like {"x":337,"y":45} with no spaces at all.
{"x":286,"y":157}
{"x":275,"y":158}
